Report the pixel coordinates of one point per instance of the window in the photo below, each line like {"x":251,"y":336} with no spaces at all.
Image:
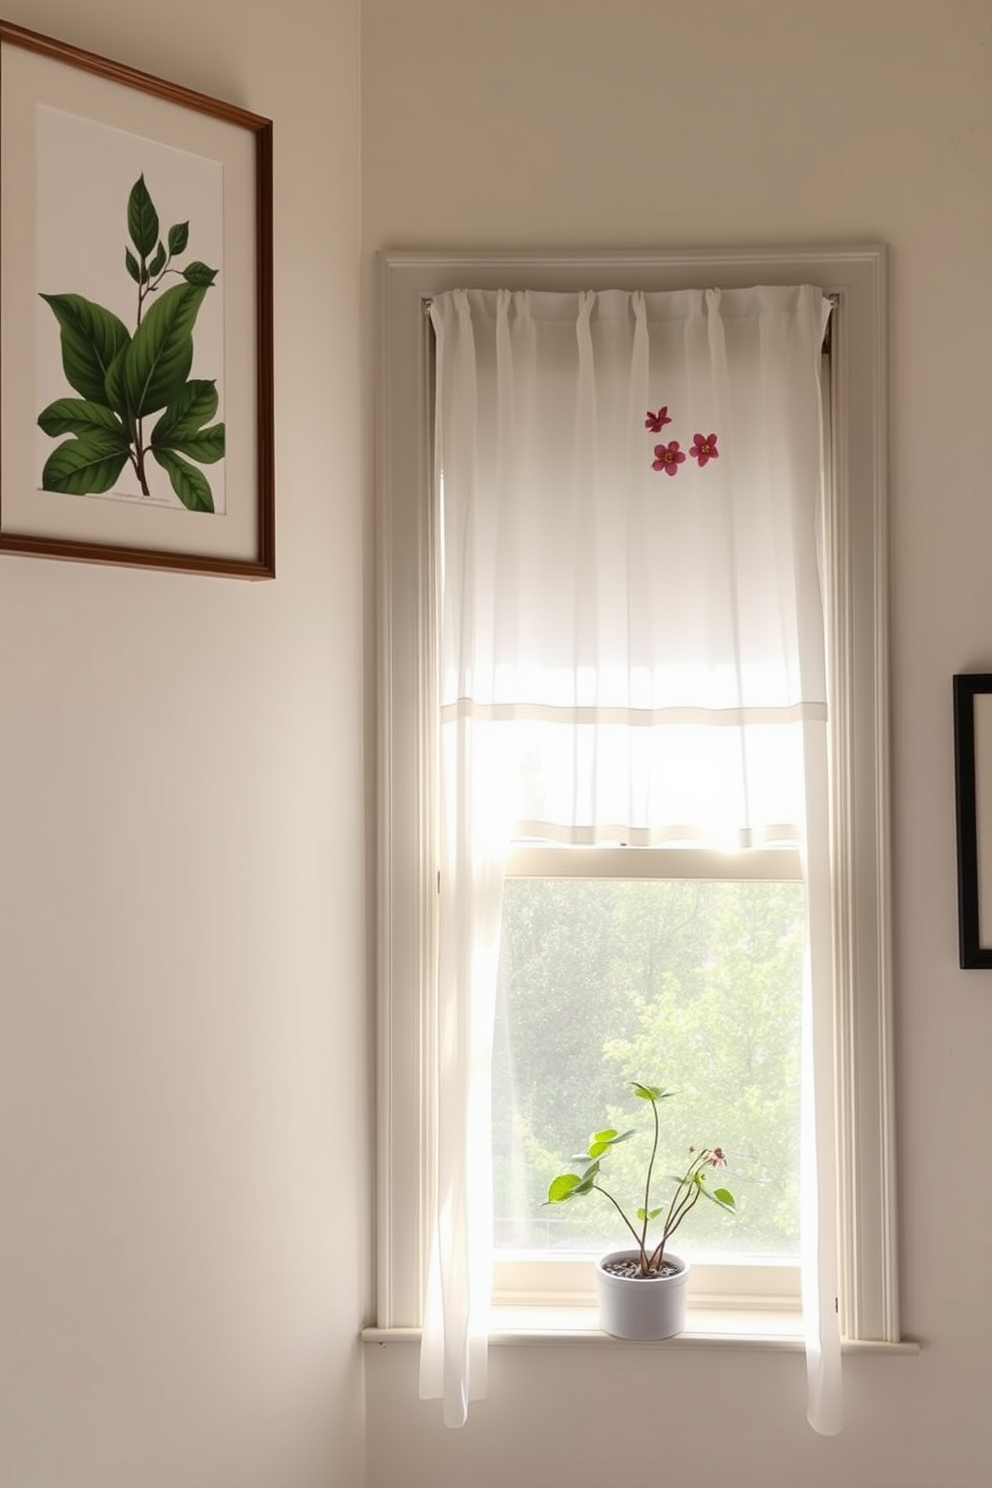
{"x":855,"y":581}
{"x":617,"y":960}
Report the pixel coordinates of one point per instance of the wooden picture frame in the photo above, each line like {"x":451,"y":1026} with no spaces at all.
{"x":973,"y":792}
{"x":136,"y":363}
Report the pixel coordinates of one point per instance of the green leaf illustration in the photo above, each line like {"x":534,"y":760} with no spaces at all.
{"x":180,"y":427}
{"x":77,"y":416}
{"x":158,"y":262}
{"x":142,"y":218}
{"x":199,"y":274}
{"x":189,"y":484}
{"x":116,"y":396}
{"x":85,"y":466}
{"x":186,"y":414}
{"x":122,"y":379}
{"x":91,"y":338}
{"x":157,"y":362}
{"x":207,"y":446}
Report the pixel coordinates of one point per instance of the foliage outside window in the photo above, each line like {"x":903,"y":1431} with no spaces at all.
{"x":600,"y":978}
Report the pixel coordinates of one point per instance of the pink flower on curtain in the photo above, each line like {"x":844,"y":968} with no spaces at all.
{"x":704,"y":448}
{"x":668,"y":457}
{"x":657,"y":421}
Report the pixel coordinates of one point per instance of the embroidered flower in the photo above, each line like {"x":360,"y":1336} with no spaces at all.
{"x":668,"y":457}
{"x":704,"y":449}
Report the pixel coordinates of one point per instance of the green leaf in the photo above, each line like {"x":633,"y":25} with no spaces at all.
{"x":77,"y":416}
{"x":85,"y":466}
{"x":160,"y":355}
{"x":600,"y":1142}
{"x":189,"y":484}
{"x":142,"y":218}
{"x":158,"y":262}
{"x":722,"y":1197}
{"x":116,"y":397}
{"x":207,"y":446}
{"x":91,"y":338}
{"x":178,"y":237}
{"x":563,"y":1187}
{"x":651,"y":1092}
{"x":197,"y":273}
{"x":193,"y":406}
{"x":131,"y":263}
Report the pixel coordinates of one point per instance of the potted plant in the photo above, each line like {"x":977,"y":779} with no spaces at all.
{"x":642,"y":1292}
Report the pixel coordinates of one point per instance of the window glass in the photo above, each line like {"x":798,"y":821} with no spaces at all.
{"x":694,"y":985}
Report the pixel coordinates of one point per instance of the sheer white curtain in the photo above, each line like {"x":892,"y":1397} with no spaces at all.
{"x":625,"y":654}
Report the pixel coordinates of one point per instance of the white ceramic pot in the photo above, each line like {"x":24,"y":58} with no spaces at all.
{"x":641,"y":1306}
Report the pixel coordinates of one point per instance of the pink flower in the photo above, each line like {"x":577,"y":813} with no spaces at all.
{"x":657,"y":421}
{"x":704,"y":449}
{"x":668,"y":457}
{"x":718,"y":1160}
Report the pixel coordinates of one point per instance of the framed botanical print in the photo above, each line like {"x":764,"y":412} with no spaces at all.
{"x":135,"y":317}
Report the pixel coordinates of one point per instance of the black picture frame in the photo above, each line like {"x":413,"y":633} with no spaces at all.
{"x":973,"y":796}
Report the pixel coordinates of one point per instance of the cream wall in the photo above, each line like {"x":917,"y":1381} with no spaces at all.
{"x":183,"y":1101}
{"x":576,"y":124}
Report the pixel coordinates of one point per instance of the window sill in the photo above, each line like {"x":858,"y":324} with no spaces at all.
{"x":704,"y":1328}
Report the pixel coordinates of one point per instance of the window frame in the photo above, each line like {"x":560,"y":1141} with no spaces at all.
{"x":855,"y":581}
{"x":769,"y":1284}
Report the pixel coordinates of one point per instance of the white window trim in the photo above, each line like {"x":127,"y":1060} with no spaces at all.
{"x":857,"y":594}
{"x":758,"y":864}
{"x":750,"y":1285}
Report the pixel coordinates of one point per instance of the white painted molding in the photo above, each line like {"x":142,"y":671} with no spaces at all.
{"x":857,"y":589}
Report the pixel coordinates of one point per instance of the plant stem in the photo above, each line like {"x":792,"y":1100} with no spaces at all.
{"x":144,"y":290}
{"x":685,"y":1197}
{"x":640,"y":1242}
{"x":647,"y":1183}
{"x":138,"y":460}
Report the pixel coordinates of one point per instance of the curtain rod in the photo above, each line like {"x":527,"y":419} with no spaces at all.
{"x":830,"y":295}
